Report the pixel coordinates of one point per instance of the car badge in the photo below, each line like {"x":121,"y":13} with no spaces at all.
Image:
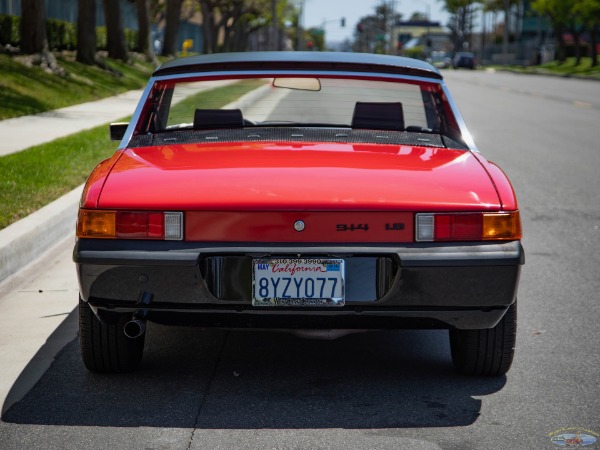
{"x":299,"y":225}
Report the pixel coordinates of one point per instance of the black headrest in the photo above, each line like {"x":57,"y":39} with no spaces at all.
{"x":378,"y":116}
{"x":218,"y":118}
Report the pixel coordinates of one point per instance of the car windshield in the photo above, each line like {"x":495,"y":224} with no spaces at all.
{"x":299,"y":101}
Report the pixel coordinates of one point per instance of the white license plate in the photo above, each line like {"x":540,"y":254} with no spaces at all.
{"x":298,"y":282}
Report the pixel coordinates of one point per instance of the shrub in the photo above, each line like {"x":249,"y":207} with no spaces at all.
{"x":62,"y":35}
{"x":9,"y":30}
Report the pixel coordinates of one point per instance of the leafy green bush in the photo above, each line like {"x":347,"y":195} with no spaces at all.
{"x":131,"y":39}
{"x":62,"y":35}
{"x":101,"y":38}
{"x":9,"y":30}
{"x":417,"y":52}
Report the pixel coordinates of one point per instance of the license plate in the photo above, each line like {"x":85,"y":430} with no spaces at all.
{"x":298,"y":282}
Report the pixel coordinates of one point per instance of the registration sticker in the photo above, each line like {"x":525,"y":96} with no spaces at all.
{"x":298,"y":282}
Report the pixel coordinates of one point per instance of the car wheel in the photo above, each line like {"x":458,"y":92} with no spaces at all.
{"x":486,"y":352}
{"x":104,"y":346}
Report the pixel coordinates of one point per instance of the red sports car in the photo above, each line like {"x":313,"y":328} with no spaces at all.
{"x":304,"y":191}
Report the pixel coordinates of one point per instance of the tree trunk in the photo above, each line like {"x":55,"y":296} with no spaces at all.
{"x":34,"y":40}
{"x":594,"y":44}
{"x":577,"y":41}
{"x":208,"y":27}
{"x":561,"y":51}
{"x":506,"y":33}
{"x":86,"y":32}
{"x":33,"y":27}
{"x":143,"y":15}
{"x":115,"y":36}
{"x":171,"y":27}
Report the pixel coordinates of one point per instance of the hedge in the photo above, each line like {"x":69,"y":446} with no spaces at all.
{"x":9,"y":30}
{"x":62,"y":35}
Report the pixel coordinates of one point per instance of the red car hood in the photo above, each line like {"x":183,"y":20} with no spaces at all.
{"x":271,"y":176}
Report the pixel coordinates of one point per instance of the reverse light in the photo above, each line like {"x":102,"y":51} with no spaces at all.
{"x":441,"y":227}
{"x":173,"y":226}
{"x":130,"y":225}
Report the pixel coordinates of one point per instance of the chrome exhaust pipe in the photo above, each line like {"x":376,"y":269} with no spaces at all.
{"x":134,"y":328}
{"x":137,"y":325}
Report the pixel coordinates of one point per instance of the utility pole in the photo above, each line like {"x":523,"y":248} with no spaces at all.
{"x":506,"y":32}
{"x":274,"y":45}
{"x":392,"y":26}
{"x":300,"y":27}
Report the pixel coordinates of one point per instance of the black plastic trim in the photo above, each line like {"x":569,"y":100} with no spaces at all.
{"x":151,"y":253}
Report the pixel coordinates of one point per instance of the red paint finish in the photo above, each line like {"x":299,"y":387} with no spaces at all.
{"x":270,"y":226}
{"x":505,"y":190}
{"x":298,"y":177}
{"x":95,"y":182}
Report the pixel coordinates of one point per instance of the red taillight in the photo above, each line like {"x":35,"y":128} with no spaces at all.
{"x":501,"y":226}
{"x":458,"y":227}
{"x":140,"y":225}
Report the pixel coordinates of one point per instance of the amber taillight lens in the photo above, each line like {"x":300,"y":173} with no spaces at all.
{"x":96,"y":224}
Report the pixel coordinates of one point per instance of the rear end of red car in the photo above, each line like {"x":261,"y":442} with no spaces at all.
{"x":383,"y":218}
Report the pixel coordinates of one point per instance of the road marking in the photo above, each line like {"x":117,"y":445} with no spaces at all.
{"x":582,"y":104}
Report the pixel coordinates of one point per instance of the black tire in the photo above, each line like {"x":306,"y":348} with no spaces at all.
{"x":104,"y":346}
{"x":486,"y":352}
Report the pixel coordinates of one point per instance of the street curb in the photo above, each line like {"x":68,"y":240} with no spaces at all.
{"x":22,"y":242}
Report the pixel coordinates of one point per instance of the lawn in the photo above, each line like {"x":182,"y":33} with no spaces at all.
{"x":568,"y":68}
{"x":34,"y":177}
{"x":28,"y":90}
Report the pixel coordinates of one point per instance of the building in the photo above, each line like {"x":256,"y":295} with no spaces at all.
{"x":423,"y":33}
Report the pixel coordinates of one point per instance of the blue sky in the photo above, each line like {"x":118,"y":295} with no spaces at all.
{"x":316,"y":11}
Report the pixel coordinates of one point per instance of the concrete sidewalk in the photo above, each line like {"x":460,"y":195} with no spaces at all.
{"x":38,"y":283}
{"x":24,"y":241}
{"x":21,"y":133}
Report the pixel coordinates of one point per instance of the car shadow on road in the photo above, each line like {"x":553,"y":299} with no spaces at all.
{"x":215,"y":379}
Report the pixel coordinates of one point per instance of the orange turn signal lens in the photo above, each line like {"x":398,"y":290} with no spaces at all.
{"x":502,"y":226}
{"x":96,"y":224}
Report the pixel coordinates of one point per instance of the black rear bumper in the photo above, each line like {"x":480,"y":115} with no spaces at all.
{"x":404,"y":286}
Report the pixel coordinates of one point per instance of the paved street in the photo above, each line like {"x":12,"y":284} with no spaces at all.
{"x":228,"y":389}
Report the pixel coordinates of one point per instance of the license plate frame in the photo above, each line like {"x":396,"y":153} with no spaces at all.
{"x":286,"y":282}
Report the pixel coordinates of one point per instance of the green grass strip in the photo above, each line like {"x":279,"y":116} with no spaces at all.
{"x":39,"y":175}
{"x":566,"y":69}
{"x":35,"y":177}
{"x":29,"y":90}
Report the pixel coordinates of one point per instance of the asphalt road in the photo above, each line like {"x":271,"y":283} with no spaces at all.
{"x":225,"y":389}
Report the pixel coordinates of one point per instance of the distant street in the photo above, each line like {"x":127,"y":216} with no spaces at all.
{"x":394,"y":390}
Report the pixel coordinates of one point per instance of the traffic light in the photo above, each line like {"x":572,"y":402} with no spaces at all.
{"x":343,"y":22}
{"x":359,"y":27}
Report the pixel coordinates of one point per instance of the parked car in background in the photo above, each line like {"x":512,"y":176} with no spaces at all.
{"x":464,"y":59}
{"x":299,"y":191}
{"x":439,"y":59}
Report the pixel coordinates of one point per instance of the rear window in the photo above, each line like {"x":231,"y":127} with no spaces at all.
{"x":262,"y":101}
{"x":355,"y":104}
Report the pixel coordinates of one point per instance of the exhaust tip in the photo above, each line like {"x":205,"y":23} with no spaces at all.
{"x":134,"y":328}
